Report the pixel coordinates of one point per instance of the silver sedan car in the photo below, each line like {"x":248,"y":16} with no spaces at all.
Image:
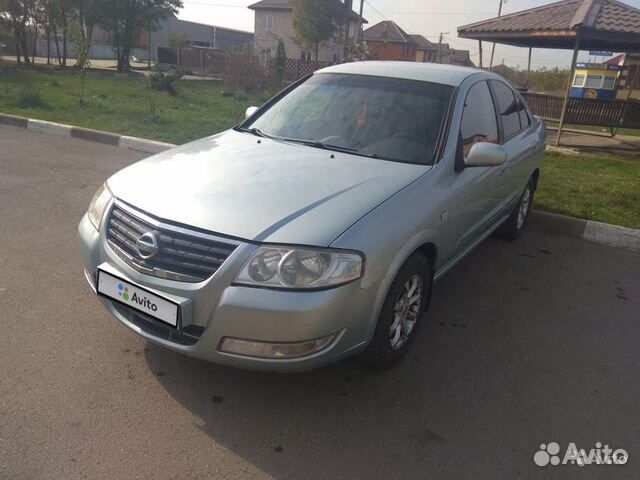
{"x":315,"y":229}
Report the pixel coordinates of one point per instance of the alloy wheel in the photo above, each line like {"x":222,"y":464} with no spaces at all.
{"x":524,"y":207}
{"x":405,"y":312}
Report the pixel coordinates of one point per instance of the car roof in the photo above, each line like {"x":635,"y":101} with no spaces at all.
{"x":426,"y":72}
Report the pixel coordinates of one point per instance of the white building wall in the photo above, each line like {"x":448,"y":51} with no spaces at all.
{"x":281,"y":27}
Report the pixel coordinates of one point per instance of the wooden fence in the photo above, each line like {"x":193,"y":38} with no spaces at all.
{"x":297,"y":69}
{"x":582,"y":111}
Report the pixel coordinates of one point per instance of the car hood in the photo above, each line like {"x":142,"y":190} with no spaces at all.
{"x":260,"y":189}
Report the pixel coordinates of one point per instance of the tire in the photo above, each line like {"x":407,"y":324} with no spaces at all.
{"x":513,"y":227}
{"x":395,"y":333}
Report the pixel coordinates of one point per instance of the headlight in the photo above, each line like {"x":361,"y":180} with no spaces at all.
{"x":98,"y":205}
{"x":282,"y":267}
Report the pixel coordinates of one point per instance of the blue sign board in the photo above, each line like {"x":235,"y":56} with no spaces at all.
{"x":598,"y":66}
{"x":595,"y":53}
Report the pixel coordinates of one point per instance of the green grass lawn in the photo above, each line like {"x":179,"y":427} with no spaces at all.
{"x":605,"y":189}
{"x":126,"y":105}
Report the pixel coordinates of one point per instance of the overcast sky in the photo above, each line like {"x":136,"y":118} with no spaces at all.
{"x":426,"y":17}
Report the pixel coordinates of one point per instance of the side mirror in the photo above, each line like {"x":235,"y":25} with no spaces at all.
{"x":250,"y":111}
{"x":484,"y":154}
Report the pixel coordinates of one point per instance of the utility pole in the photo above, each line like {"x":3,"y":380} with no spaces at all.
{"x":440,"y":46}
{"x":493,"y":49}
{"x":348,"y":6}
{"x":360,"y":22}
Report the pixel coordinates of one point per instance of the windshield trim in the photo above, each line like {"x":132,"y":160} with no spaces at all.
{"x":440,"y":143}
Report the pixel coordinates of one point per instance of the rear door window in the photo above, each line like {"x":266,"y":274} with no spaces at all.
{"x":509,"y":109}
{"x":525,"y":119}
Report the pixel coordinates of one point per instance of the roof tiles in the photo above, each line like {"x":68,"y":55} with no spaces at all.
{"x":618,"y":17}
{"x":599,"y":15}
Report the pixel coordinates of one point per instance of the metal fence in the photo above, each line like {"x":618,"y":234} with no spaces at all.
{"x":202,"y":60}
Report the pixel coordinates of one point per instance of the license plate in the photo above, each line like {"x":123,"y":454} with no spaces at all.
{"x":138,"y":298}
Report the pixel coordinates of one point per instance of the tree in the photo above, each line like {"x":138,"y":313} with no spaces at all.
{"x":316,"y":21}
{"x":57,"y":17}
{"x":82,"y":45}
{"x":281,"y":61}
{"x":87,"y":13}
{"x":15,"y":15}
{"x":124,"y":19}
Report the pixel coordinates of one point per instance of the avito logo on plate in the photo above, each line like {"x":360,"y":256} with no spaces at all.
{"x":135,"y":298}
{"x":123,"y":291}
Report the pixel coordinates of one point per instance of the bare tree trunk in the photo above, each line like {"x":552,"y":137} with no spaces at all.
{"x":63,"y":14}
{"x":48,"y":31}
{"x":126,"y":41}
{"x":25,"y":50}
{"x":35,"y":42}
{"x":55,"y":35}
{"x":116,"y":39}
{"x":24,"y":43}
{"x":317,"y":50}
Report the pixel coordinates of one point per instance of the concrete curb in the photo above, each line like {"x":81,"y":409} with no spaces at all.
{"x":52,"y":128}
{"x":603,"y":233}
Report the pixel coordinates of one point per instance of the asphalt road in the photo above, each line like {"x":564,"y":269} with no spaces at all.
{"x":526,"y":343}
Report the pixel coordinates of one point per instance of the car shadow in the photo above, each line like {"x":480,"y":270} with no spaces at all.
{"x":345,"y":417}
{"x":458,"y":406}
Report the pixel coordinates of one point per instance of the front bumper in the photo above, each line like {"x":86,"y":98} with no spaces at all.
{"x":215,"y":309}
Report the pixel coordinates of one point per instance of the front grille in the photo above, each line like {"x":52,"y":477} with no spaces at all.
{"x":182,"y":255}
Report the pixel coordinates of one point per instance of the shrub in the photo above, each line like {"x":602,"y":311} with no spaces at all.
{"x":154,"y":108}
{"x":244,"y":72}
{"x":281,"y":61}
{"x":165,"y":81}
{"x":30,"y":96}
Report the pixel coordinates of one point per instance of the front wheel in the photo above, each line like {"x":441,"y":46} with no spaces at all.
{"x":512,"y":228}
{"x":401,"y":313}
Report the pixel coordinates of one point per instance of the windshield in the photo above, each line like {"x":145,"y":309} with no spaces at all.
{"x":386,"y":118}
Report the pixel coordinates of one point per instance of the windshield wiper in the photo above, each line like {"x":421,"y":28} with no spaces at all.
{"x":319,"y":144}
{"x":253,"y":131}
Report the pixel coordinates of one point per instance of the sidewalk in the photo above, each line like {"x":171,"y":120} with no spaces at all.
{"x":623,"y":145}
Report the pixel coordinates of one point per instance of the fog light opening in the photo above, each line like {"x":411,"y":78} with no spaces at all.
{"x":252,"y":348}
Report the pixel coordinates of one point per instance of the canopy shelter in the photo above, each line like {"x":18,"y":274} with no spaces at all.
{"x":602,"y":25}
